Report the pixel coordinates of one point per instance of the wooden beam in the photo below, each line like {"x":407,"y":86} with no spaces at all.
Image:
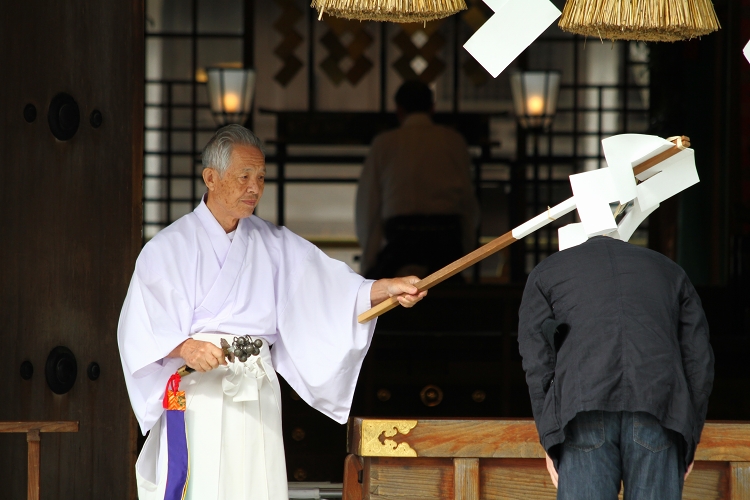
{"x":25,"y":427}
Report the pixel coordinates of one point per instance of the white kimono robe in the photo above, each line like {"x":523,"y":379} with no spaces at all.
{"x":267,"y":282}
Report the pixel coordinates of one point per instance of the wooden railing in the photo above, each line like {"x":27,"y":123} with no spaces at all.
{"x":452,"y":459}
{"x":32,"y":431}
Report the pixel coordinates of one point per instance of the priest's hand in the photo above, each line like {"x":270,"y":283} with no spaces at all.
{"x":401,"y":288}
{"x":202,"y":356}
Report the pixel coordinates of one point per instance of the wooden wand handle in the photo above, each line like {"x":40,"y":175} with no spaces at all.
{"x":443,"y":274}
{"x":185,"y":370}
{"x":498,"y":244}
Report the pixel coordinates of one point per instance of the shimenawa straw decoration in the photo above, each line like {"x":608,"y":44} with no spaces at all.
{"x":645,"y":20}
{"x":397,"y":11}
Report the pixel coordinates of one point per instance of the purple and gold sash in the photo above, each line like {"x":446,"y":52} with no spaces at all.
{"x":178,"y":470}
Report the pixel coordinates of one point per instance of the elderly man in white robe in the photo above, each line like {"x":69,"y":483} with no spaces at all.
{"x":221,"y":272}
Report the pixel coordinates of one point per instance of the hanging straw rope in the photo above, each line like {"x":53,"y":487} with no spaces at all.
{"x":646,"y":20}
{"x":398,"y":11}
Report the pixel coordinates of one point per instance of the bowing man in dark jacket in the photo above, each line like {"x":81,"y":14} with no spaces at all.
{"x":616,"y":351}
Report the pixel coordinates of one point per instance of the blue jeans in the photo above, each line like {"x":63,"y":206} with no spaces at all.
{"x":603,"y":448}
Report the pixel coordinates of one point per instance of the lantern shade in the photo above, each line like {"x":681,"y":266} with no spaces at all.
{"x":535,"y":97}
{"x":644,"y":20}
{"x":397,"y":11}
{"x":230,"y":94}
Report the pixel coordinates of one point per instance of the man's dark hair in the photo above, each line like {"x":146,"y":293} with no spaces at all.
{"x":414,"y":97}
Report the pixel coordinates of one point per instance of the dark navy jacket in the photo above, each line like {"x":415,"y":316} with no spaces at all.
{"x":633,"y":338}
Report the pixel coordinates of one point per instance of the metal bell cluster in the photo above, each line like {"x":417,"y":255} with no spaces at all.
{"x":243,"y":347}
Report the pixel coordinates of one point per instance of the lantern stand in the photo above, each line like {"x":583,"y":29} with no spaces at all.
{"x":535,"y":96}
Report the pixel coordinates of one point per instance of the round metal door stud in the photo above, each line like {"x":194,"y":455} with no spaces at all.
{"x":384,"y":395}
{"x":29,"y":113}
{"x":61,"y":370}
{"x":478,"y":396}
{"x":300,"y":474}
{"x":64,"y":117}
{"x":27,"y":370}
{"x":93,"y":371}
{"x":298,"y":434}
{"x":96,"y":118}
{"x":431,"y":395}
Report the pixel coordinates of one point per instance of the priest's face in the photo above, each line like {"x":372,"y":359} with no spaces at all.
{"x":235,"y":195}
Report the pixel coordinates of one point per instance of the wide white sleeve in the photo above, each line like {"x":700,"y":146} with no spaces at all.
{"x":321,"y":346}
{"x":151,"y":325}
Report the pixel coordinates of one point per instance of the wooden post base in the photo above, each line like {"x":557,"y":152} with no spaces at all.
{"x":32,"y":430}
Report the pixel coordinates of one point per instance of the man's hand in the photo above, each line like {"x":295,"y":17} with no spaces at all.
{"x":551,"y":470}
{"x":202,"y":356}
{"x":401,"y":288}
{"x":689,"y":470}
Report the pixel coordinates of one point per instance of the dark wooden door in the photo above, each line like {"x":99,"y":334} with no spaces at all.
{"x":70,"y":218}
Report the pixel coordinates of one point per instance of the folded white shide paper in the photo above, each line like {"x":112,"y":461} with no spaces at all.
{"x":594,"y":191}
{"x":747,"y":51}
{"x":571,"y":235}
{"x":513,"y":27}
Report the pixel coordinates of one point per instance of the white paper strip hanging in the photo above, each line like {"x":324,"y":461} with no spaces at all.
{"x":513,"y":27}
{"x":671,"y":176}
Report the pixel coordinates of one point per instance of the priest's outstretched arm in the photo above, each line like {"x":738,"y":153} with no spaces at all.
{"x":205,"y":356}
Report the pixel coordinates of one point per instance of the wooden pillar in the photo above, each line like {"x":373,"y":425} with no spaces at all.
{"x":739,"y":480}
{"x":466,"y":479}
{"x":34,"y":458}
{"x":353,"y":478}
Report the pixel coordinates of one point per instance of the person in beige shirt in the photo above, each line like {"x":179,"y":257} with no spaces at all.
{"x":416,"y":209}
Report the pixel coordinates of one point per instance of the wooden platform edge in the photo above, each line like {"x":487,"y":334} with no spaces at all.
{"x":25,"y":427}
{"x":505,"y":438}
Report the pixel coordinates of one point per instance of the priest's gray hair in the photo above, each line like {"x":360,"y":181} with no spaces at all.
{"x":218,"y":151}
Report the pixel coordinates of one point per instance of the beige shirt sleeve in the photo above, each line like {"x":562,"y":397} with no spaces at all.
{"x":368,"y":220}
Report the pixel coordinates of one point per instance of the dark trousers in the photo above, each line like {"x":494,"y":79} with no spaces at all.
{"x":423,"y":242}
{"x":603,"y":448}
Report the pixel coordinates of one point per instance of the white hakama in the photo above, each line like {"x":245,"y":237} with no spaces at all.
{"x":192,"y":281}
{"x":245,"y":400}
